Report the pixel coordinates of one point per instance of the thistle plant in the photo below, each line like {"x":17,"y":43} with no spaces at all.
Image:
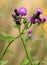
{"x":19,"y":18}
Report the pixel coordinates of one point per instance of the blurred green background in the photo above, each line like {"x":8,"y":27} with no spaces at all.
{"x":6,"y":25}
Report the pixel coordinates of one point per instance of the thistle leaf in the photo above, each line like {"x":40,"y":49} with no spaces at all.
{"x":5,"y":36}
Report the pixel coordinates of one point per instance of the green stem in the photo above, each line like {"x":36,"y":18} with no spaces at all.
{"x":6,"y":50}
{"x":26,"y":51}
{"x":11,"y":43}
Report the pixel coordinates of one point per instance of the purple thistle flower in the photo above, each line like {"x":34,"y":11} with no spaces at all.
{"x":39,"y":11}
{"x":39,"y":20}
{"x":44,"y":19}
{"x":22,"y":11}
{"x":29,"y":31}
{"x":16,"y":12}
{"x":16,"y":19}
{"x":32,"y":19}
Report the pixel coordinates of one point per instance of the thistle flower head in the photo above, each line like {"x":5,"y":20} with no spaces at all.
{"x":39,"y":20}
{"x":22,"y":11}
{"x":16,"y":12}
{"x":29,"y":31}
{"x":44,"y":19}
{"x":32,"y":19}
{"x":39,"y":11}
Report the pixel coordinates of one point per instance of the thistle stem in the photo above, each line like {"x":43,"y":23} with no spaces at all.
{"x":9,"y":45}
{"x":26,"y":51}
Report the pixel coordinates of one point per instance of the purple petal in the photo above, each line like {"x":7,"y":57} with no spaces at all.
{"x":22,"y":11}
{"x":15,"y":10}
{"x":38,"y":10}
{"x":39,"y":20}
{"x":29,"y":31}
{"x":32,"y":19}
{"x":44,"y":19}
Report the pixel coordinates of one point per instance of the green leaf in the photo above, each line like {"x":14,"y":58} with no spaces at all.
{"x":25,"y":61}
{"x":3,"y":62}
{"x":5,"y":36}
